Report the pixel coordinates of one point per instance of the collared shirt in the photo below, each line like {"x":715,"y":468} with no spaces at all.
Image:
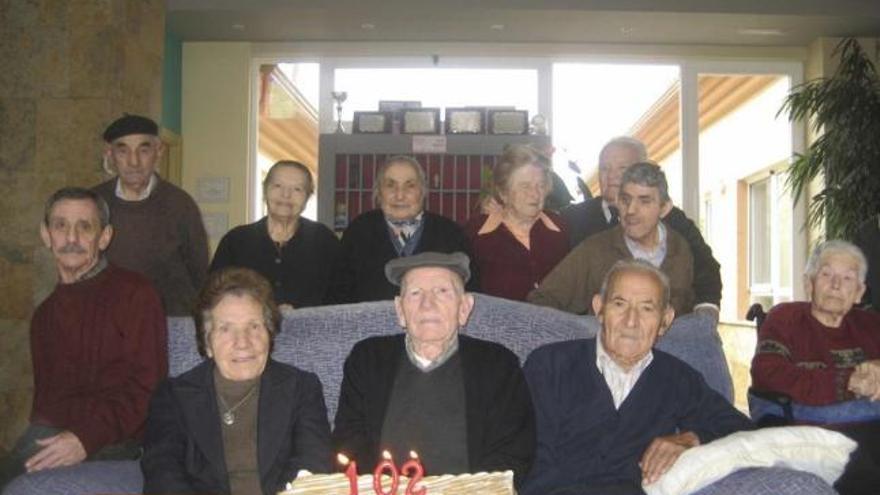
{"x":98,"y":268}
{"x":654,"y":257}
{"x":507,"y":268}
{"x":427,"y":365}
{"x":620,"y":382}
{"x":144,"y":194}
{"x":494,"y":220}
{"x":606,"y":210}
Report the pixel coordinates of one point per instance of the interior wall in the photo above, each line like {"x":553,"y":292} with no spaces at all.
{"x":215,"y":122}
{"x":171,"y":83}
{"x":66,"y":70}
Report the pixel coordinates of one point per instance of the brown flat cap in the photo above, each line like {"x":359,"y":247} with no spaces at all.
{"x":458,"y":262}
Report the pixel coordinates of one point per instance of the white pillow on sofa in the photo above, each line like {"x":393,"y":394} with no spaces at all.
{"x":805,"y":448}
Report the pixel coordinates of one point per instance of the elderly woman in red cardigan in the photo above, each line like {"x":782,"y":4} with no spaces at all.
{"x":516,"y":245}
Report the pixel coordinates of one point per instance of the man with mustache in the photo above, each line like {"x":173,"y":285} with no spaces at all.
{"x":98,"y":346}
{"x":158,"y":227}
{"x":643,"y":200}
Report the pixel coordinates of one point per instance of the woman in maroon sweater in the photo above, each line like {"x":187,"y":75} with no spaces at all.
{"x":516,"y":245}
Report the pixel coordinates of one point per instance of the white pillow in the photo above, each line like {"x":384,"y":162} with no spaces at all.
{"x":804,"y":448}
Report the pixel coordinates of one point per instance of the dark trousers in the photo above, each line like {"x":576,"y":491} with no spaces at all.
{"x":622,"y":488}
{"x":26,"y":446}
{"x":862,"y":474}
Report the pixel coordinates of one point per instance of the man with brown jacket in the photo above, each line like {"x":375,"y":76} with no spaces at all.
{"x":642,"y":201}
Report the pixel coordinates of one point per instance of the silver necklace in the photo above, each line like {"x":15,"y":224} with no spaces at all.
{"x":229,"y":415}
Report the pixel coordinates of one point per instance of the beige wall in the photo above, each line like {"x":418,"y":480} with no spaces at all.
{"x":215,"y":119}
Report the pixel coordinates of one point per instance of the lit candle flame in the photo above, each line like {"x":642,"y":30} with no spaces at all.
{"x":343,"y":459}
{"x":386,"y":455}
{"x":413,"y":454}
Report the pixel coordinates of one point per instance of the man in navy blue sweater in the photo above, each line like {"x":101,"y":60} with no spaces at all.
{"x":613,"y":413}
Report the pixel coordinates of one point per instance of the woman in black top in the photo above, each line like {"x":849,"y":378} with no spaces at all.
{"x":400,"y":226}
{"x":299,"y":257}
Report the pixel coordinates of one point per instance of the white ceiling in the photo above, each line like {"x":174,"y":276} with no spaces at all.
{"x":702,"y":22}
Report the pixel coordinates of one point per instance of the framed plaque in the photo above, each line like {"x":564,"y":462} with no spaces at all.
{"x":371,"y":123}
{"x":465,"y":121}
{"x":396,"y":107}
{"x":508,"y":121}
{"x":420,"y":121}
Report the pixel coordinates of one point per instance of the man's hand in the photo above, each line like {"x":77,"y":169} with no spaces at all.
{"x":662,"y":454}
{"x":865,"y":380}
{"x":63,"y":449}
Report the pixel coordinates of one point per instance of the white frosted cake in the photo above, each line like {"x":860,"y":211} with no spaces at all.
{"x":500,"y":483}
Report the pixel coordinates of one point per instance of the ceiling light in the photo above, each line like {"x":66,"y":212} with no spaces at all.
{"x":368,"y":26}
{"x":760,"y":32}
{"x":497,"y":27}
{"x":626,"y":30}
{"x":238,"y":27}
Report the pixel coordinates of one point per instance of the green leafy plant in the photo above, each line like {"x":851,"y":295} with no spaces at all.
{"x":844,"y":109}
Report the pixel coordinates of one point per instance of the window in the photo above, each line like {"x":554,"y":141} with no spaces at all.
{"x":593,"y":103}
{"x":769,"y":241}
{"x":287,"y":125}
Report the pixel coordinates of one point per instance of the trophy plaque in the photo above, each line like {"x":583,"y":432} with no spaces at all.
{"x":420,"y":121}
{"x":508,"y":122}
{"x":396,"y":107}
{"x":464,"y":121}
{"x":371,"y":123}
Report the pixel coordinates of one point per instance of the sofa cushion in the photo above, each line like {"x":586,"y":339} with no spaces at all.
{"x":807,"y":448}
{"x":768,"y":481}
{"x":117,"y":477}
{"x":319,"y":339}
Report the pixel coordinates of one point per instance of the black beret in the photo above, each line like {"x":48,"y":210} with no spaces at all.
{"x":130,"y":124}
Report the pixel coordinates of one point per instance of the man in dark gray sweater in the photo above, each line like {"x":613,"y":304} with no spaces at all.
{"x":460,"y":402}
{"x":158,"y":227}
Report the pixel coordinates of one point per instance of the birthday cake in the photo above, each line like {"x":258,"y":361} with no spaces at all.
{"x":499,"y":483}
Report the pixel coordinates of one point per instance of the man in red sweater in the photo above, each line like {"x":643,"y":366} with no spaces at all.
{"x":98,"y":345}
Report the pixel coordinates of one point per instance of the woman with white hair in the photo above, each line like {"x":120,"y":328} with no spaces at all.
{"x":825,"y":352}
{"x":518,"y":243}
{"x":399,"y":226}
{"x":822,"y":351}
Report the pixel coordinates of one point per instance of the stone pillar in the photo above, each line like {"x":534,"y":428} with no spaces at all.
{"x":67,"y":68}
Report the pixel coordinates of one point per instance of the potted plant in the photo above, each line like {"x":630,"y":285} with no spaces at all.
{"x":844,"y":109}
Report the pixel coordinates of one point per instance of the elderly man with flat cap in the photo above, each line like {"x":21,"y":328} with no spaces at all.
{"x":159,"y":230}
{"x":461,"y":403}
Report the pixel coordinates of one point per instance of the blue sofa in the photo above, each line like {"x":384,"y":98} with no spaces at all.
{"x":319,"y":339}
